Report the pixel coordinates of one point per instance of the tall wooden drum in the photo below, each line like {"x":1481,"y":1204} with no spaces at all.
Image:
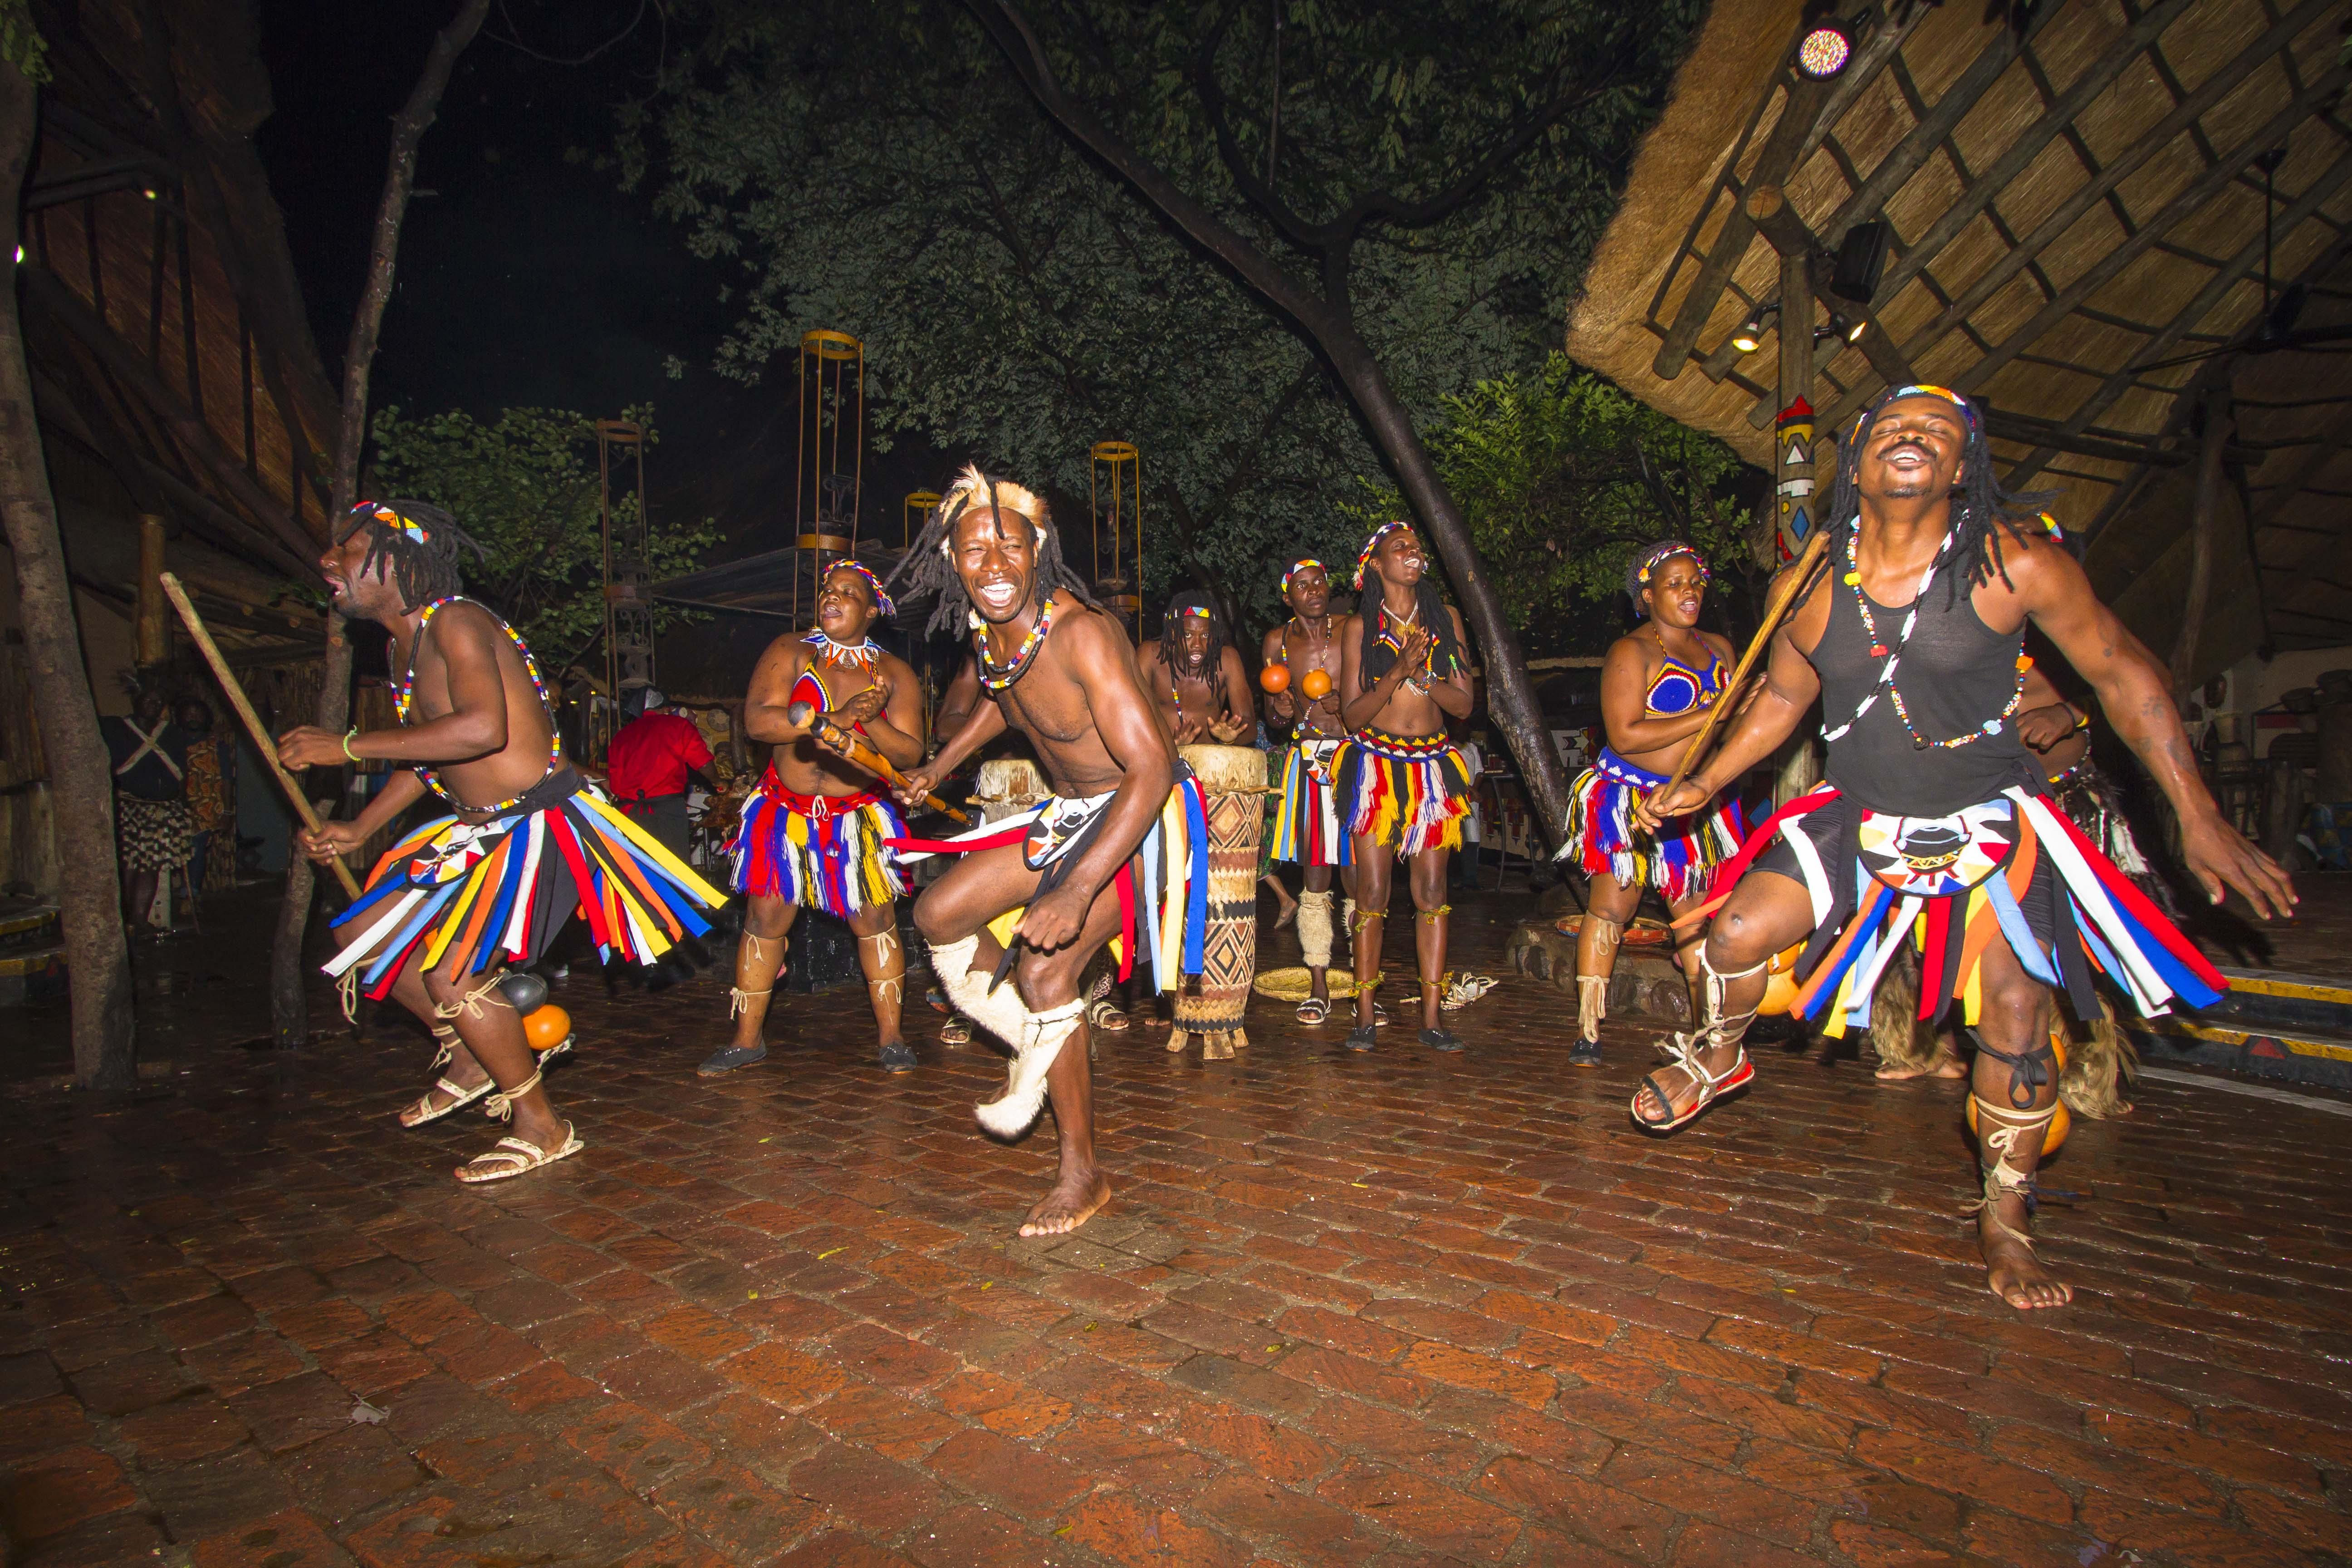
{"x":1232,"y":778}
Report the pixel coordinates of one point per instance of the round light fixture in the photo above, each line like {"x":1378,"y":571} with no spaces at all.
{"x":1826,"y":49}
{"x":1750,"y":337}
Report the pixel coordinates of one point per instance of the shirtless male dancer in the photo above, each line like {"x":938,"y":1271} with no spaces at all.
{"x":459,"y":896}
{"x":1306,"y":822}
{"x":1064,"y":675}
{"x":815,"y":831}
{"x":1403,"y":789}
{"x":1195,"y":676}
{"x":1934,"y":826}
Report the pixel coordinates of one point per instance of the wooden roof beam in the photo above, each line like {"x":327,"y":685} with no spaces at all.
{"x":2216,"y":288}
{"x":54,"y":300}
{"x":2070,"y":211}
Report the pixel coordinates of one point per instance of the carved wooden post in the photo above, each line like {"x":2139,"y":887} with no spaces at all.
{"x":154,"y":625}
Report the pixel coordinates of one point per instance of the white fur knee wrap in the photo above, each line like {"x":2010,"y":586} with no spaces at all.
{"x":1037,"y":1038}
{"x":1315,"y":929}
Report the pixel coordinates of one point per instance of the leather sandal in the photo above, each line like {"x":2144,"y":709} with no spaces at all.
{"x":1712,"y":1087}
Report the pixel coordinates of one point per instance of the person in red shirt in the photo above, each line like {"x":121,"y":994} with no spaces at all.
{"x":648,"y":764}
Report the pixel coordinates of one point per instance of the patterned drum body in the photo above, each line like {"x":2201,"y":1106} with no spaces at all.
{"x":1234,"y":779}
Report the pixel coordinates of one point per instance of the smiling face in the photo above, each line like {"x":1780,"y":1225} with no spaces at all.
{"x":1400,"y":560}
{"x":1678,"y":588}
{"x":845,"y":606}
{"x":1913,"y":449}
{"x":360,"y":592}
{"x":1309,"y":592}
{"x":997,"y":559}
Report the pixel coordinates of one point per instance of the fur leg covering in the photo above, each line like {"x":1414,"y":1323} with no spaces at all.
{"x":1315,"y":929}
{"x":1596,"y":961}
{"x":1901,"y":1040}
{"x":2100,"y":1060}
{"x":1042,"y":1037}
{"x":1000,"y":1011}
{"x":1591,"y":1004}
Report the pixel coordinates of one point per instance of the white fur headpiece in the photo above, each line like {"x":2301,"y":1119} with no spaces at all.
{"x":972,"y":488}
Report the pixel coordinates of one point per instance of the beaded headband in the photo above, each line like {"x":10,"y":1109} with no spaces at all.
{"x":1667,"y":552}
{"x":1298,"y":566}
{"x":1364,"y":556}
{"x":1200,"y":610}
{"x":1922,"y":389}
{"x":882,"y":602}
{"x":376,"y":511}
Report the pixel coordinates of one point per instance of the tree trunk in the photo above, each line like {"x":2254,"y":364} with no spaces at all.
{"x":289,"y":1014}
{"x":98,"y":958}
{"x":1510,"y":694}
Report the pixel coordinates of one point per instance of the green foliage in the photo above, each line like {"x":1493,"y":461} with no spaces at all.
{"x":526,"y":488}
{"x":1563,"y":477}
{"x":874,"y":167}
{"x":21,"y":44}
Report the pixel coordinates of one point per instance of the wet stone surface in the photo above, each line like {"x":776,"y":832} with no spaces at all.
{"x":1342,"y":1309}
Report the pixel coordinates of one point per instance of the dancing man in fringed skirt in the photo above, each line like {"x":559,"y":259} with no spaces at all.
{"x":1403,"y":789}
{"x":457,"y":899}
{"x":816,"y":831}
{"x":1656,"y":688}
{"x":1111,"y":854}
{"x":1934,"y":826}
{"x":1307,"y":830}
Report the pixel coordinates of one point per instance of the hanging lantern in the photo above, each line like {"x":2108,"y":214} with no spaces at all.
{"x":828,"y":484}
{"x":1115,"y":492}
{"x":919,"y":505}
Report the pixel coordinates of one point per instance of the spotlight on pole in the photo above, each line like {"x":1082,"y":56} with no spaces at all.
{"x":1750,"y":335}
{"x":1826,"y":48}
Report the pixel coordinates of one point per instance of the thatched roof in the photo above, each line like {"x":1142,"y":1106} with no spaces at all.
{"x":2076,"y":206}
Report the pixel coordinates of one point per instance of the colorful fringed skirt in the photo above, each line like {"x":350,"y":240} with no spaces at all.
{"x":1407,"y":792}
{"x":821,"y":852}
{"x":1679,"y":860}
{"x":1306,"y":815}
{"x":1163,"y":888}
{"x":2088,"y":798}
{"x":2013,"y":870}
{"x":501,"y":890}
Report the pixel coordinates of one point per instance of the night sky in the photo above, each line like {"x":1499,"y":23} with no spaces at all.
{"x":525,"y":278}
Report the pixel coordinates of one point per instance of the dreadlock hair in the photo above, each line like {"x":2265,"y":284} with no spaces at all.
{"x":1171,"y":628}
{"x":1428,"y":610}
{"x":417,"y":544}
{"x":929,"y":565}
{"x":1987,"y":511}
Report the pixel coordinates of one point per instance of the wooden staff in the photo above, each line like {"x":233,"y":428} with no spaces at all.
{"x":851,"y":750}
{"x":1774,"y":614}
{"x":261,"y":740}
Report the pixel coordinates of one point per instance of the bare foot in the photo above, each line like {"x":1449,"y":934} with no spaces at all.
{"x":2015,"y":1275}
{"x":1070,"y":1205}
{"x":1942,"y":1066}
{"x":438,"y":1100}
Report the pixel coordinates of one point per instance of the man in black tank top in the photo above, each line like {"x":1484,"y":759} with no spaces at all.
{"x":1933,"y":827}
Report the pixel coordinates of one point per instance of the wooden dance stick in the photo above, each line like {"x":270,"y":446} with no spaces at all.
{"x":1774,"y":614}
{"x":851,"y":750}
{"x":261,"y":740}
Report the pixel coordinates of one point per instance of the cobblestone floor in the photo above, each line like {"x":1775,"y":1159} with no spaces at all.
{"x":1342,"y":1311}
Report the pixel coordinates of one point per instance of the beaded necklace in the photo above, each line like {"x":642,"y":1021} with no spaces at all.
{"x":996,"y":677}
{"x":862,"y":654}
{"x":404,"y":692}
{"x":1878,"y":650}
{"x":1416,"y":683}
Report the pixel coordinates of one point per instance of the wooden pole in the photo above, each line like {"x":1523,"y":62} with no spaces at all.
{"x":253,"y":725}
{"x":1792,"y":587}
{"x":2203,"y":525}
{"x":153,"y":648}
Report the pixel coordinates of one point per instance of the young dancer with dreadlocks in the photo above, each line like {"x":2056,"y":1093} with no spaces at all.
{"x":1934,"y":826}
{"x":1307,"y":819}
{"x":815,"y":832}
{"x":455,"y":900}
{"x":1402,"y":788}
{"x":1034,"y":897}
{"x":1195,"y":676}
{"x":1657,"y":686}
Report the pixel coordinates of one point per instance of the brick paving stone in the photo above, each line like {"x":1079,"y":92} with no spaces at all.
{"x":1351,"y":1311}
